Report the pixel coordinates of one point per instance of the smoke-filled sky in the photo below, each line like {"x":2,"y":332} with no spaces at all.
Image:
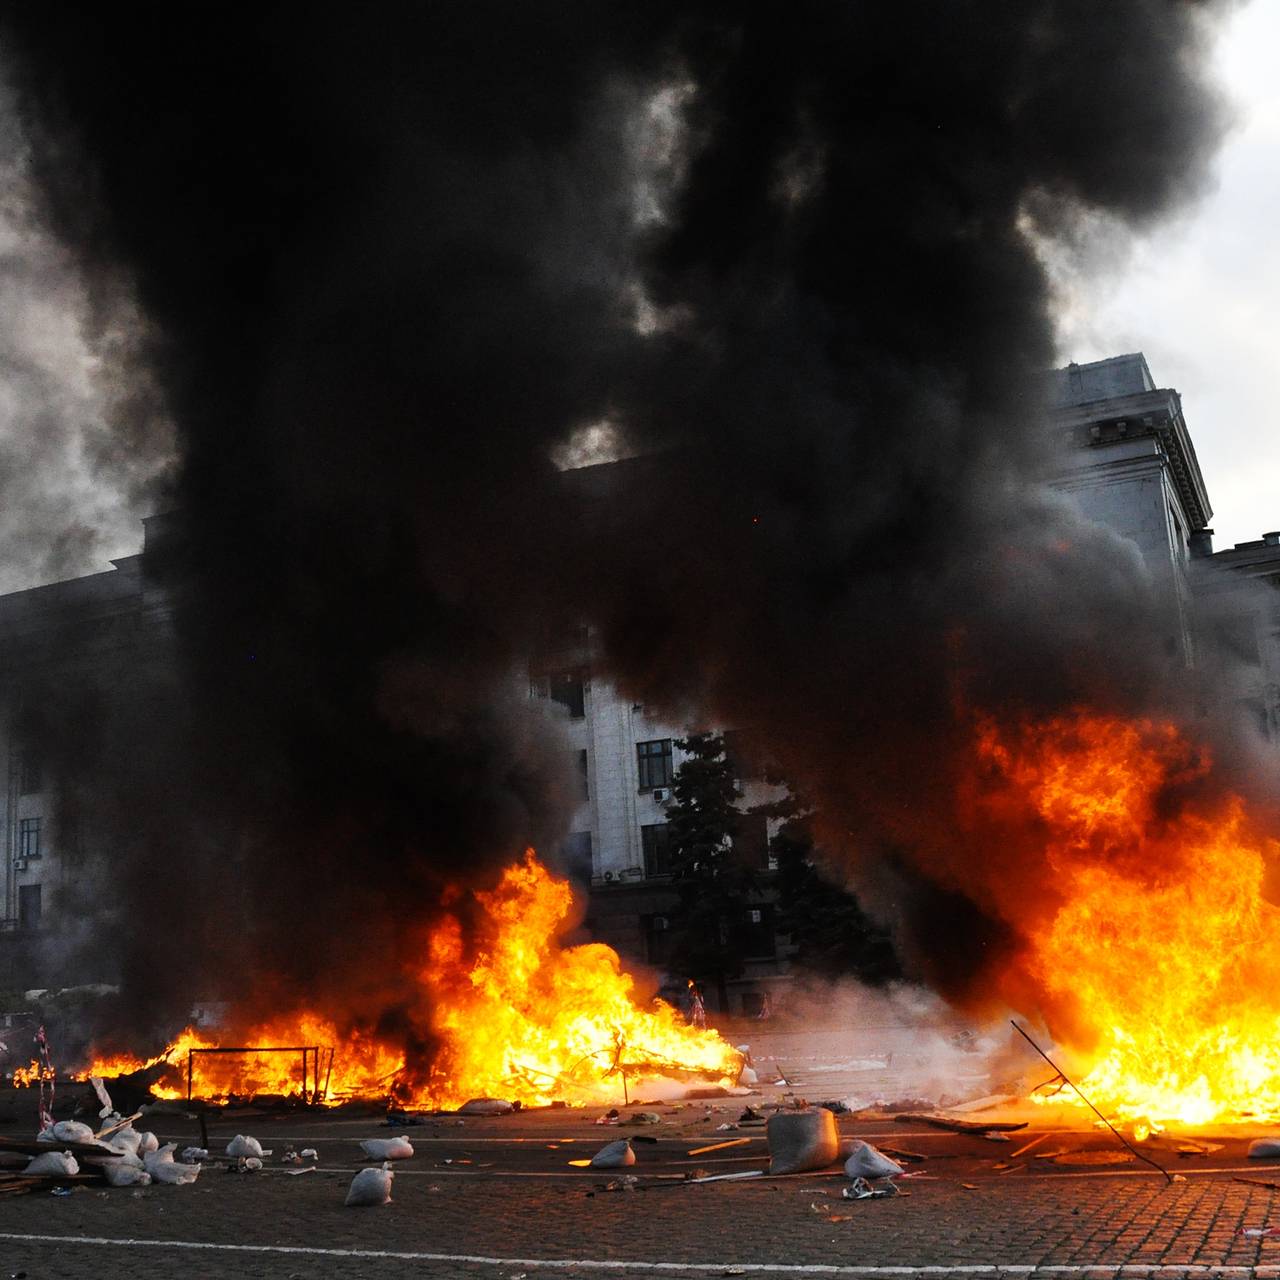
{"x":389,"y":267}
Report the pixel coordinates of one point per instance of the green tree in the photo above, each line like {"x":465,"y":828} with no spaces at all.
{"x":833,"y":935}
{"x":714,"y":886}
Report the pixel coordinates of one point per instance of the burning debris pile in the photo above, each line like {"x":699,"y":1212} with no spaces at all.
{"x":513,"y":1015}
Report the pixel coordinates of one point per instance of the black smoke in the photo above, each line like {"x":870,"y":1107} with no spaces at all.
{"x":393,"y":257}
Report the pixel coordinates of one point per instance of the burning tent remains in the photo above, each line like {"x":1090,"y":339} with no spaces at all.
{"x":793,"y":262}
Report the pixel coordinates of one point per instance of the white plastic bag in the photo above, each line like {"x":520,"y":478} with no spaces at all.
{"x":243,"y":1145}
{"x":53,"y":1164}
{"x":617,"y":1155}
{"x":370,"y":1187}
{"x":387,"y":1148}
{"x":162,"y":1155}
{"x":866,"y":1161}
{"x":193,"y":1155}
{"x":146,"y":1142}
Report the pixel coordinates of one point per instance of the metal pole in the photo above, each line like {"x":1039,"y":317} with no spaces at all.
{"x":190,"y":1071}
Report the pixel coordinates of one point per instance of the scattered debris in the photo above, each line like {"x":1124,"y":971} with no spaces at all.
{"x":861,"y":1189}
{"x":1255,"y":1182}
{"x":729,"y":1177}
{"x":953,"y":1125}
{"x":193,"y":1155}
{"x":1093,"y":1157}
{"x":370,"y":1187}
{"x":802,"y":1140}
{"x":1260,"y":1231}
{"x":645,"y":1117}
{"x":906,"y":1157}
{"x":397,"y":1148}
{"x":309,"y":1153}
{"x":1035,"y":1142}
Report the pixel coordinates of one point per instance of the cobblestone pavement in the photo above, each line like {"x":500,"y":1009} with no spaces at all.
{"x":519,"y":1209}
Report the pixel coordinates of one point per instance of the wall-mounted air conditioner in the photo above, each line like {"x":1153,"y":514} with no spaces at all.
{"x":662,"y":795}
{"x":608,"y":877}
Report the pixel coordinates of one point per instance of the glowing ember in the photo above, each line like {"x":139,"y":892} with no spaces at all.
{"x":1162,"y":949}
{"x":514,"y":1015}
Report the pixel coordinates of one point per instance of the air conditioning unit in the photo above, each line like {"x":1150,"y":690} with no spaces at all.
{"x":608,"y":877}
{"x":661,"y":924}
{"x":662,"y":794}
{"x":19,"y":864}
{"x":756,"y":916}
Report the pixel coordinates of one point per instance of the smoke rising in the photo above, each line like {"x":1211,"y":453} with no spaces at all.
{"x":395,"y":264}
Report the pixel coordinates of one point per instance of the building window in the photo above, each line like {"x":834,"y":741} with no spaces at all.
{"x":657,"y":940}
{"x":584,"y":783}
{"x":756,"y":938}
{"x":29,"y":838}
{"x":576,"y":851}
{"x":29,"y":906}
{"x":568,"y":688}
{"x":30,"y":772}
{"x":655,"y":840}
{"x":654,"y":762}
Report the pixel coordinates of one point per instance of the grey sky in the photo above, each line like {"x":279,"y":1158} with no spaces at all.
{"x":1202,"y":297}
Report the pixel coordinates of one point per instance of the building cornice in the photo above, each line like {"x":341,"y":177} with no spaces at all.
{"x":1156,"y":414}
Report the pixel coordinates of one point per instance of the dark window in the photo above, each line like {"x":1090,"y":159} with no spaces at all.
{"x":585,"y":793}
{"x":567,"y":688}
{"x":655,"y":839}
{"x":30,"y":772}
{"x":752,"y":1004}
{"x":756,"y":938}
{"x":29,"y":838}
{"x":751,"y":841}
{"x":654,"y":761}
{"x":577,"y":855}
{"x":29,"y":906}
{"x":657,"y":939}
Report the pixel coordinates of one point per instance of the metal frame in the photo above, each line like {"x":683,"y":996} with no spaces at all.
{"x":310,"y":1059}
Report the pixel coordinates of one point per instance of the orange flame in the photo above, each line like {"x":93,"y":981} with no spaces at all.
{"x":1162,"y":949}
{"x":515,"y":1016}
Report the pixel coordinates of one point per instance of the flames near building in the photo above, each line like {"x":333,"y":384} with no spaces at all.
{"x":1129,"y":463}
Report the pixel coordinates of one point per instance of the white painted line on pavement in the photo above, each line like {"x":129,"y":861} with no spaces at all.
{"x":1151,"y":1270}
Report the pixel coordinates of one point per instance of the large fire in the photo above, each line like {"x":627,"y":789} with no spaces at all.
{"x":515,"y":1016}
{"x":1161,"y":951}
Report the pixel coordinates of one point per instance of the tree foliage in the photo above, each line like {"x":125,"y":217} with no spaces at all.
{"x":715,"y":887}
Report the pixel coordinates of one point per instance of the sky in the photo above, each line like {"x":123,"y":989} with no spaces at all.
{"x":1201,"y":297}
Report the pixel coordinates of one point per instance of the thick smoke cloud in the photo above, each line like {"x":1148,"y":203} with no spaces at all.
{"x":395,"y":259}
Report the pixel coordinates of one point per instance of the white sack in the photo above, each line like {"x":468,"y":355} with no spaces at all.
{"x":163,"y":1155}
{"x":67,"y":1131}
{"x":53,"y":1164}
{"x":1264,"y":1149}
{"x":242,"y":1145}
{"x":485,"y":1107}
{"x":370,"y":1187}
{"x":174,"y":1175}
{"x":120,"y":1173}
{"x":146,"y":1142}
{"x":387,"y":1148}
{"x":865,"y":1161}
{"x":617,"y":1155}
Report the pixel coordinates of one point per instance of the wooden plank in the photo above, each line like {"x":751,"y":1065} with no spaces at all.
{"x":959,"y":1126}
{"x":718,"y":1146}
